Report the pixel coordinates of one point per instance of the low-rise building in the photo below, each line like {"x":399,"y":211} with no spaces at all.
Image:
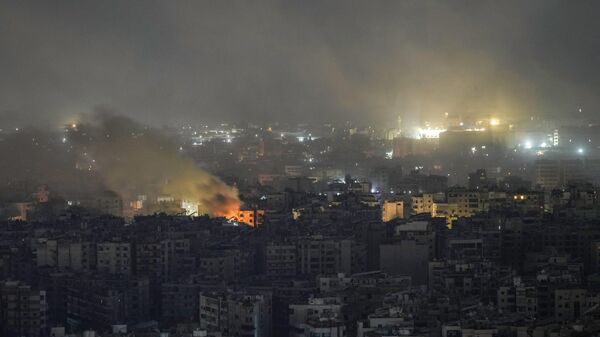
{"x":236,"y":314}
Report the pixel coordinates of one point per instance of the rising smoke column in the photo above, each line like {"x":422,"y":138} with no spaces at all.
{"x":132,"y":160}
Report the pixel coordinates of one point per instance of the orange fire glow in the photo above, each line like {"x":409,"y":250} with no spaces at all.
{"x":228,"y":209}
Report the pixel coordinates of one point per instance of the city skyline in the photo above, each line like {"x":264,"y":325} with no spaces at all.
{"x":300,"y":169}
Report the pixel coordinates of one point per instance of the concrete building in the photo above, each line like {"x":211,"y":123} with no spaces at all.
{"x":445,"y":210}
{"x":179,"y":302}
{"x":422,"y":204}
{"x":304,"y":317}
{"x":99,"y":302}
{"x":408,"y":251}
{"x":221,"y":264}
{"x":468,"y":203}
{"x":330,"y":255}
{"x":280,"y":259}
{"x":46,"y":252}
{"x":386,"y":317}
{"x":325,"y":326}
{"x":518,"y":298}
{"x":529,"y":203}
{"x":406,"y":257}
{"x":114,"y":257}
{"x":570,"y":303}
{"x":547,"y":174}
{"x":154,"y":257}
{"x":319,"y":255}
{"x":251,"y":217}
{"x":557,"y":173}
{"x":393,"y":209}
{"x":23,"y":310}
{"x":62,"y":253}
{"x":236,"y":314}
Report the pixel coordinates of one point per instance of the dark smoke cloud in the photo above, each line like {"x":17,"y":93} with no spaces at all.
{"x":104,"y":151}
{"x":134,"y":160}
{"x":169,"y":62}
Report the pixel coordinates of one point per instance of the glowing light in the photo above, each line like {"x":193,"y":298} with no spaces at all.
{"x":580,"y":150}
{"x":430,"y":133}
{"x":228,"y":209}
{"x":494,"y":122}
{"x":189,"y":207}
{"x":544,"y":144}
{"x":528,"y":145}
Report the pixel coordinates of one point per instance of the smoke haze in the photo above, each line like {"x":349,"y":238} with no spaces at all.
{"x":190,"y":61}
{"x":104,"y":151}
{"x":134,"y":160}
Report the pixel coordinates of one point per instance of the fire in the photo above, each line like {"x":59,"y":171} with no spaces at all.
{"x":228,"y":209}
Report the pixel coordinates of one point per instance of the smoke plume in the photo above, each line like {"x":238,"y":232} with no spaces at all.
{"x":105,"y":151}
{"x":134,"y":160}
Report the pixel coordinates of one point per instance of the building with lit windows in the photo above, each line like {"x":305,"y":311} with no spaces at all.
{"x":251,"y":217}
{"x":468,"y":203}
{"x":422,"y":204}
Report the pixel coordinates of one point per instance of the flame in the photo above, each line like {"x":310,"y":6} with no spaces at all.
{"x":228,"y":209}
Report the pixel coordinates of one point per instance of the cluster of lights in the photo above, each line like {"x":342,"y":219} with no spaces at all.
{"x":430,"y":133}
{"x":528,"y":145}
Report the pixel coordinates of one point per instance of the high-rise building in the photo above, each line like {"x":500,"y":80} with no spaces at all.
{"x":114,"y":257}
{"x":23,"y":310}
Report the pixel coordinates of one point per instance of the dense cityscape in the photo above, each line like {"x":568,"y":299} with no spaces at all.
{"x":302,"y":169}
{"x":473,"y":228}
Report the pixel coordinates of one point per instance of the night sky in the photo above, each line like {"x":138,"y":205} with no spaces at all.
{"x":170,"y":62}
